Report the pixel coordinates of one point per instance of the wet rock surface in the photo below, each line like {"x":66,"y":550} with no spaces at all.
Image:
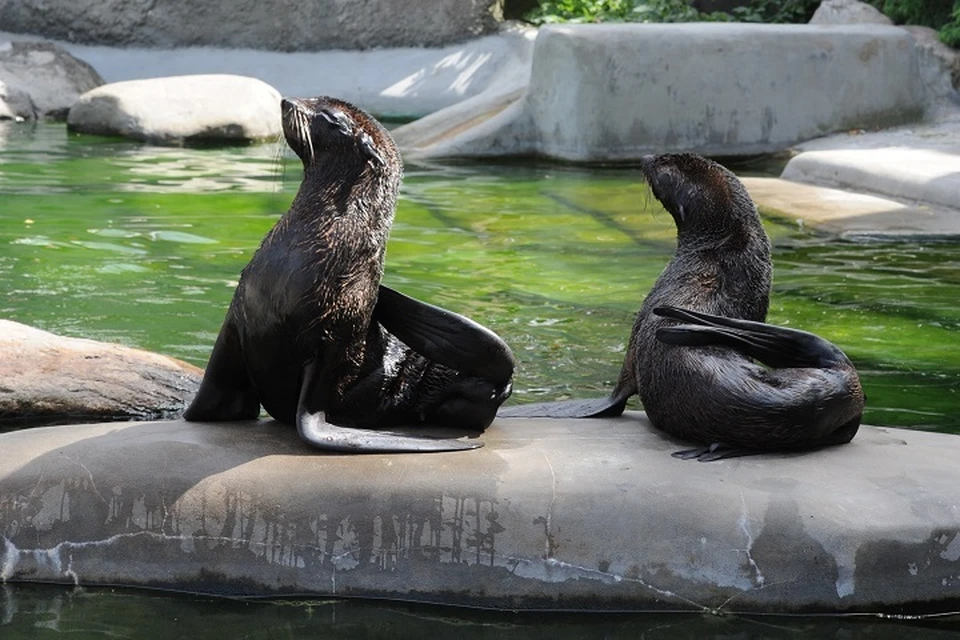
{"x":550,"y":514}
{"x":48,"y":379}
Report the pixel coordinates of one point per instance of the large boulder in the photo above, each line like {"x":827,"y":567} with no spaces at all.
{"x":181,"y":110}
{"x":568,"y":515}
{"x":50,"y":379}
{"x":280,"y":25}
{"x":848,"y":12}
{"x":51,"y":78}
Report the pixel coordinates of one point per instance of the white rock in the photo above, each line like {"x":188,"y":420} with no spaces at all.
{"x":181,"y":109}
{"x":848,"y":12}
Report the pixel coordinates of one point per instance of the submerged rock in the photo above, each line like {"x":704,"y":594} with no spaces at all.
{"x":51,"y":78}
{"x":216,"y":108}
{"x":47,"y":379}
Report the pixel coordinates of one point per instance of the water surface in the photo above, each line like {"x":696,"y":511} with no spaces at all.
{"x":143,"y":245}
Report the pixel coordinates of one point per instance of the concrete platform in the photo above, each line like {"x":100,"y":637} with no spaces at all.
{"x":573,"y":515}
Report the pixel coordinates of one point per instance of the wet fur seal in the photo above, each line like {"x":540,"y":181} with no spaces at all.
{"x":694,"y":347}
{"x":312,"y":335}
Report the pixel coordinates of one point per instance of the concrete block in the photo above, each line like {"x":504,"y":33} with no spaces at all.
{"x":602,"y":93}
{"x":615,"y":92}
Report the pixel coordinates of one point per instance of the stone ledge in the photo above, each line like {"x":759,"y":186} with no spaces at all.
{"x":550,"y":514}
{"x":853,"y":216}
{"x":912,"y":175}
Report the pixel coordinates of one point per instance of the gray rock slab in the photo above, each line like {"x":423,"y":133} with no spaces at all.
{"x":389,"y":82}
{"x":281,"y":25}
{"x":910,"y":175}
{"x":47,"y":73}
{"x":550,"y":514}
{"x":50,"y":379}
{"x":602,"y":93}
{"x":181,"y":109}
{"x":851,"y":215}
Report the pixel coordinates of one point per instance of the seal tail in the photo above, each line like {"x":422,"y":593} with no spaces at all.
{"x":774,"y":346}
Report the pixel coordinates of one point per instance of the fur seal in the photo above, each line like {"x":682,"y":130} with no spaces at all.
{"x":312,"y":335}
{"x":697,"y":379}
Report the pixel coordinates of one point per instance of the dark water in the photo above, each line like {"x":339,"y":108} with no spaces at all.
{"x":143,"y":245}
{"x":49,"y":612}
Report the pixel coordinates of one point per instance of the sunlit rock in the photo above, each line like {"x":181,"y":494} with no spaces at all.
{"x":181,"y":110}
{"x":848,"y":12}
{"x":50,"y":77}
{"x":50,"y":379}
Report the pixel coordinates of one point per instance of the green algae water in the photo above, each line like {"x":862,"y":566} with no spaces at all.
{"x":143,"y":245}
{"x":54,"y":612}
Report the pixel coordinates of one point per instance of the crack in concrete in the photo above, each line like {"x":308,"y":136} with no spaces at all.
{"x":743,"y":522}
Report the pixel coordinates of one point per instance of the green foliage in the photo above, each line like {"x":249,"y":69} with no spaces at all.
{"x":937,"y":14}
{"x":552,"y":11}
{"x":950,"y":32}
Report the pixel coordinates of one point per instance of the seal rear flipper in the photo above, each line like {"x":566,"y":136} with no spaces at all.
{"x":226,"y":392}
{"x":444,"y":337}
{"x":715,"y":451}
{"x":610,"y":406}
{"x":774,"y":346}
{"x":314,"y":429}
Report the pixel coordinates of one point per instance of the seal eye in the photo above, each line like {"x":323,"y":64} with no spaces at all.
{"x":370,"y":149}
{"x":339,"y":120}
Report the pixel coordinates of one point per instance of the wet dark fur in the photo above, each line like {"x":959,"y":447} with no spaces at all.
{"x":310,"y":295}
{"x":693,"y":388}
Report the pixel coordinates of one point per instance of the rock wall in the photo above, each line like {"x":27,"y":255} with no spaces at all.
{"x":279,"y":25}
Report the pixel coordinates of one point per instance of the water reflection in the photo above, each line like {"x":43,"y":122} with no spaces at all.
{"x":29,"y":611}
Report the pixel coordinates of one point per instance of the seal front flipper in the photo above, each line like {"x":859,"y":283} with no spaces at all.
{"x":445,"y":337}
{"x":585,"y":408}
{"x":774,"y":346}
{"x":226,"y":392}
{"x":315,"y":430}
